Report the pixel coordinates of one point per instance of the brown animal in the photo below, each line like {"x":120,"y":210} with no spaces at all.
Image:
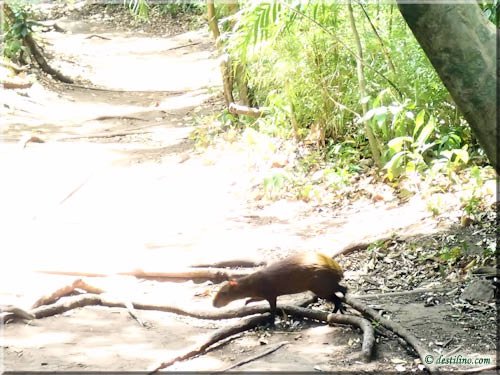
{"x":315,"y":272}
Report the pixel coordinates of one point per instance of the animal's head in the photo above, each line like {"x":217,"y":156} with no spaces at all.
{"x":225,"y":294}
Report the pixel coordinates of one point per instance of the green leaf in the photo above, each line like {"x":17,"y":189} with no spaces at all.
{"x":396,"y":144}
{"x":426,"y":132}
{"x":419,"y":120}
{"x":394,"y":166}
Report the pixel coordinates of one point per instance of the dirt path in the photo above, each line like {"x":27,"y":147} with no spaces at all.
{"x":114,"y":203}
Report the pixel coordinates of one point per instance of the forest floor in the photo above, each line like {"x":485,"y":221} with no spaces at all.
{"x":119,"y":185}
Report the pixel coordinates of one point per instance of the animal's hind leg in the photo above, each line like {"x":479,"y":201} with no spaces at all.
{"x":337,"y":301}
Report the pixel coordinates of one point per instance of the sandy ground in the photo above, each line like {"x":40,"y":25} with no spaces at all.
{"x":148,"y":201}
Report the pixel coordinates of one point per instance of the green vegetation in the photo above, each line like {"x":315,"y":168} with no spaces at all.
{"x":174,"y":8}
{"x":15,"y":28}
{"x":299,"y":63}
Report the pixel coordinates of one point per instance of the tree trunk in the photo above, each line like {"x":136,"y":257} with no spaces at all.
{"x":461,"y":45}
{"x":212,"y":19}
{"x":374,"y":148}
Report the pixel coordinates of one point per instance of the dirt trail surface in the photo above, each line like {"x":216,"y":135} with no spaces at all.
{"x":118,"y":186}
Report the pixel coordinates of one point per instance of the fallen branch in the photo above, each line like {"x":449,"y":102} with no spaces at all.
{"x":255,"y":357}
{"x":238,"y":109}
{"x":396,"y":328}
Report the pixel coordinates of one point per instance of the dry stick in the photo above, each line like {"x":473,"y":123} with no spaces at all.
{"x":183,"y":46}
{"x":71,"y":193}
{"x":220,"y":334}
{"x":394,"y":327}
{"x":131,"y":311}
{"x":255,"y":357}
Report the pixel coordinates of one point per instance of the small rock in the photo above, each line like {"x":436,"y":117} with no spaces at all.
{"x":479,"y":290}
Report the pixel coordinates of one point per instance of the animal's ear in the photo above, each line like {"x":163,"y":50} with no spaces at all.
{"x":233,"y":282}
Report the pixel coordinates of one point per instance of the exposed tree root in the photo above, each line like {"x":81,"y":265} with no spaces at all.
{"x":395,"y":327}
{"x":213,"y":274}
{"x":97,"y":36}
{"x":66,"y":291}
{"x":220,"y":334}
{"x":233,"y":263}
{"x":363,"y":324}
{"x":106,"y":135}
{"x":14,"y":312}
{"x":59,"y":306}
{"x":42,"y":62}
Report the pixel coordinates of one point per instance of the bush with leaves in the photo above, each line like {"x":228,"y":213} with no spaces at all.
{"x":15,"y":28}
{"x":300,"y":62}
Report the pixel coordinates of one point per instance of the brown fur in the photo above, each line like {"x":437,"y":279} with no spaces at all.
{"x":302,"y":272}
